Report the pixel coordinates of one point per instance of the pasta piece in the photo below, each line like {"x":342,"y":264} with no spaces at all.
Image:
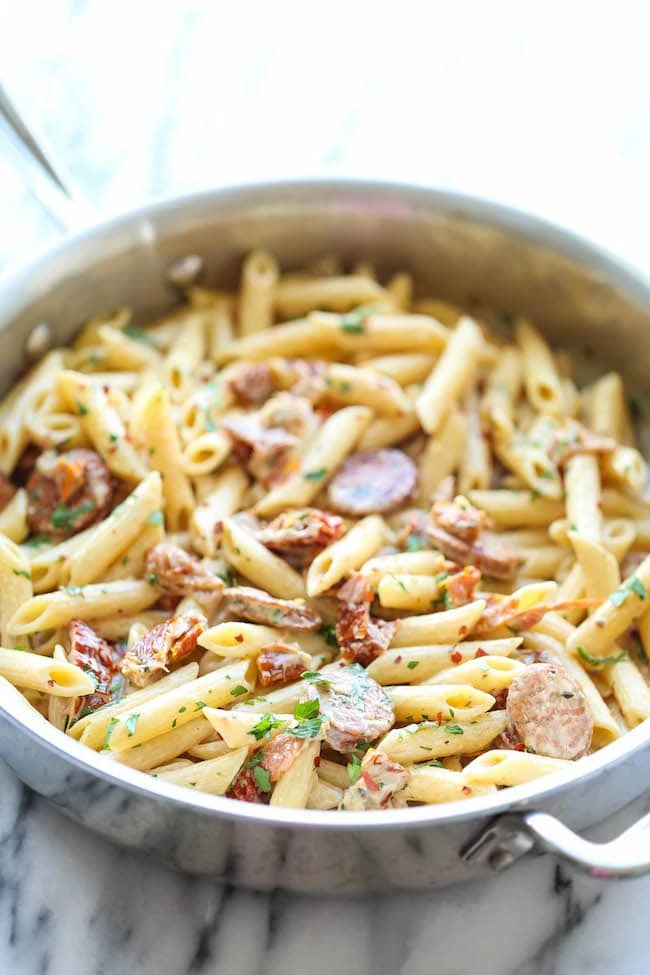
{"x":435,"y":785}
{"x":414,"y":664}
{"x":112,"y":536}
{"x":450,"y":626}
{"x":103,"y":425}
{"x":352,"y":385}
{"x":133,"y":562}
{"x":213,"y":776}
{"x":583,"y":503}
{"x":425,"y":702}
{"x":329,"y":448}
{"x":219,"y":496}
{"x":324,"y":796}
{"x":400,"y":287}
{"x":156,"y":421}
{"x":517,"y":509}
{"x":344,"y":556}
{"x":53,"y":609}
{"x":254,"y":561}
{"x":296,"y":784}
{"x":15,"y":589}
{"x":442,"y":455}
{"x":174,"y":708}
{"x":31,"y":671}
{"x":206,"y":453}
{"x":166,"y":747}
{"x":541,"y":380}
{"x":502,"y":391}
{"x":475,"y":471}
{"x":296,"y":295}
{"x":92,"y":727}
{"x":422,"y":563}
{"x":21,"y":403}
{"x":185,"y":355}
{"x":631,"y":691}
{"x":13,"y":518}
{"x":490,"y":673}
{"x":415,"y":593}
{"x":259,"y":280}
{"x":405,"y":368}
{"x":451,"y":376}
{"x":499,"y":767}
{"x":120,"y":351}
{"x":432,"y":740}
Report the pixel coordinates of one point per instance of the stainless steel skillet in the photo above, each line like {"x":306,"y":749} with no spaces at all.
{"x":462,"y":249}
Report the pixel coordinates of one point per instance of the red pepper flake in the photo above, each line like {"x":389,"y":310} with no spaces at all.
{"x":520,"y":747}
{"x":463,"y":630}
{"x":370,"y":782}
{"x":316,"y":761}
{"x":480,"y":653}
{"x":599,"y":505}
{"x":50,"y":682}
{"x":439,"y":717}
{"x":398,"y":659}
{"x":466,"y":790}
{"x":106,"y":389}
{"x":239,"y":638}
{"x":456,"y":656}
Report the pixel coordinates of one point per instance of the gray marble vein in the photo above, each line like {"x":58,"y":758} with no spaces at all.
{"x":141,"y":98}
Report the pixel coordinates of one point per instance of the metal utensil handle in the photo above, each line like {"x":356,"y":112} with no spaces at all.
{"x":508,"y":837}
{"x":47,"y":177}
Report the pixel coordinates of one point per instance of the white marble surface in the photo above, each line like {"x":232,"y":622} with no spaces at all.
{"x":541,"y":109}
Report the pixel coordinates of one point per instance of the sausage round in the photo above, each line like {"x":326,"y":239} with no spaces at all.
{"x":356,"y":706}
{"x":548,"y":712}
{"x":373,"y":481}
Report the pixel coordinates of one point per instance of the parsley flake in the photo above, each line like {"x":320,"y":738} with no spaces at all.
{"x":265,"y":726}
{"x":600,"y":661}
{"x":156,"y":518}
{"x":63,"y":516}
{"x":109,"y":733}
{"x":262,"y":778}
{"x":130,"y":723}
{"x":313,"y":677}
{"x":22,"y":572}
{"x":354,"y":769}
{"x":328,"y":630}
{"x":454,"y":729}
{"x":317,"y":475}
{"x":238,"y":690}
{"x":413,"y":543}
{"x":412,"y":664}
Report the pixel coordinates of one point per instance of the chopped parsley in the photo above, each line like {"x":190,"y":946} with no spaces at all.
{"x":535,"y":494}
{"x":328,"y":630}
{"x":640,"y":649}
{"x":276,"y":615}
{"x":309,"y":722}
{"x":130,"y":723}
{"x":636,"y":404}
{"x":73,"y":590}
{"x":633,"y":584}
{"x":81,"y":409}
{"x":200,"y":705}
{"x":226,"y":575}
{"x":22,"y":572}
{"x":313,"y":677}
{"x":413,"y":543}
{"x":600,"y":661}
{"x":152,"y":579}
{"x":138,"y":335}
{"x":37,"y":541}
{"x":113,"y":437}
{"x":354,"y":769}
{"x":265,"y":726}
{"x":412,"y":664}
{"x":109,"y":732}
{"x":238,"y":690}
{"x":398,"y":581}
{"x":317,"y":475}
{"x":262,"y":778}
{"x":433,"y":763}
{"x":454,"y":729}
{"x":63,"y":516}
{"x":156,"y":518}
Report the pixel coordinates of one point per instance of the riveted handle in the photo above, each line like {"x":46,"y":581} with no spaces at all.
{"x":507,"y":837}
{"x":46,"y":176}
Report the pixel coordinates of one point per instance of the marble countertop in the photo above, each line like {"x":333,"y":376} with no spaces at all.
{"x":143,"y":98}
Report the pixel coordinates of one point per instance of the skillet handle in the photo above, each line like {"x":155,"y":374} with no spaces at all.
{"x":507,"y":837}
{"x":47,"y":177}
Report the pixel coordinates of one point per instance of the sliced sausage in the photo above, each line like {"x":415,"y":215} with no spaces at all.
{"x":177,"y":573}
{"x":355,"y":705}
{"x":267,"y":451}
{"x":164,"y":645}
{"x":379,"y":780}
{"x":26,"y":464}
{"x":361,"y":637}
{"x":251,"y":382}
{"x":548,"y":712}
{"x":294,"y":414}
{"x":278,"y":663}
{"x":373,"y":481}
{"x":96,"y":656}
{"x":7,"y":491}
{"x":67,"y":492}
{"x":461,"y":586}
{"x":299,"y":535}
{"x":258,"y":606}
{"x":280,"y":753}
